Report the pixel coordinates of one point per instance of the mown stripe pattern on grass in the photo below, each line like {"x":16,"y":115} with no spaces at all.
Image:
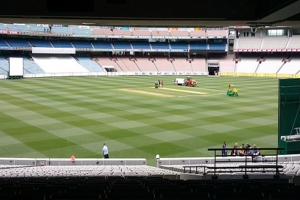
{"x":57,"y":117}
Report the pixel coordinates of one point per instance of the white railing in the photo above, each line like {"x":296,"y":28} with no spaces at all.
{"x":138,"y":73}
{"x":67,"y":161}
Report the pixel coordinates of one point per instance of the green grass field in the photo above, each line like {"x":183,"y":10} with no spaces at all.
{"x":58,"y":117}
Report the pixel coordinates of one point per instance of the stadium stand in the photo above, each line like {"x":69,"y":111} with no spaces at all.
{"x":106,"y":62}
{"x":121,"y":33}
{"x":160,"y":46}
{"x":140,"y":45}
{"x":217,"y":33}
{"x":227,"y":63}
{"x":247,"y":64}
{"x":102,"y":45}
{"x":268,"y":61}
{"x":141,"y":33}
{"x":293,"y":43}
{"x":17,"y":42}
{"x":58,"y":64}
{"x":199,"y":65}
{"x":279,"y":42}
{"x":179,"y":34}
{"x":216,"y":47}
{"x":160,"y":33}
{"x":39,"y":43}
{"x":163,"y":65}
{"x":3,"y":43}
{"x":30,"y":67}
{"x":245,"y":43}
{"x":198,"y":46}
{"x":64,"y":31}
{"x":61,"y":44}
{"x":145,"y":64}
{"x":127,"y":64}
{"x":290,"y":66}
{"x":89,"y":64}
{"x":197,"y":33}
{"x":4,"y":67}
{"x":18,"y":28}
{"x":181,"y":64}
{"x":81,"y":44}
{"x":39,"y":29}
{"x":102,"y":32}
{"x":3,"y":27}
{"x":132,"y":179}
{"x":82,"y":31}
{"x":122,"y":45}
{"x":179,"y":46}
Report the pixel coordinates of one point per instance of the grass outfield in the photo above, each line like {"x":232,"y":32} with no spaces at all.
{"x":58,"y":117}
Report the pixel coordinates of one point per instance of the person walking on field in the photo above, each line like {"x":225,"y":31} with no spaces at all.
{"x":105,"y":151}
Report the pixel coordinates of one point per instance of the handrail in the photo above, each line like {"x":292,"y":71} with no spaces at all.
{"x":246,"y":160}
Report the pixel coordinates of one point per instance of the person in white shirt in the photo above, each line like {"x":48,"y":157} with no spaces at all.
{"x":105,"y":151}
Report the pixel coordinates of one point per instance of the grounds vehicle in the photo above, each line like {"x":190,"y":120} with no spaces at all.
{"x":179,"y":81}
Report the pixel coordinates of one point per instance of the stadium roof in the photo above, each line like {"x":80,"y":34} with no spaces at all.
{"x":176,"y":13}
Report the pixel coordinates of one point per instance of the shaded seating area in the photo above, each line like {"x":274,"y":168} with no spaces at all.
{"x":121,"y":188}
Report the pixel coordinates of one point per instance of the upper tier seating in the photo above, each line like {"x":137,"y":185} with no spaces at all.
{"x":217,"y":46}
{"x":39,"y":29}
{"x":198,"y":33}
{"x":61,"y":44}
{"x":18,"y":28}
{"x":102,"y":45}
{"x":198,"y":46}
{"x":160,"y":45}
{"x":121,"y":33}
{"x":82,"y":31}
{"x":216,"y":33}
{"x":141,"y":33}
{"x":62,"y":30}
{"x":3,"y":27}
{"x":121,"y":45}
{"x":160,"y":33}
{"x":248,"y":43}
{"x":175,"y":33}
{"x":140,"y":45}
{"x":278,"y":42}
{"x":3,"y":43}
{"x":40,"y":43}
{"x":102,"y":32}
{"x":81,"y":44}
{"x":294,"y":42}
{"x":179,"y":45}
{"x":17,"y":42}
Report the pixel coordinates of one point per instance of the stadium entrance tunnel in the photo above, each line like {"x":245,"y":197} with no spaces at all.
{"x":212,"y":71}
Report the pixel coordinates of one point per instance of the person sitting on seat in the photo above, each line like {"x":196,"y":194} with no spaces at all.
{"x":234,"y":151}
{"x":242,"y":150}
{"x":255,"y":150}
{"x":72,"y":158}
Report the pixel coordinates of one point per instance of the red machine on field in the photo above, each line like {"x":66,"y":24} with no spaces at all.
{"x":190,"y":82}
